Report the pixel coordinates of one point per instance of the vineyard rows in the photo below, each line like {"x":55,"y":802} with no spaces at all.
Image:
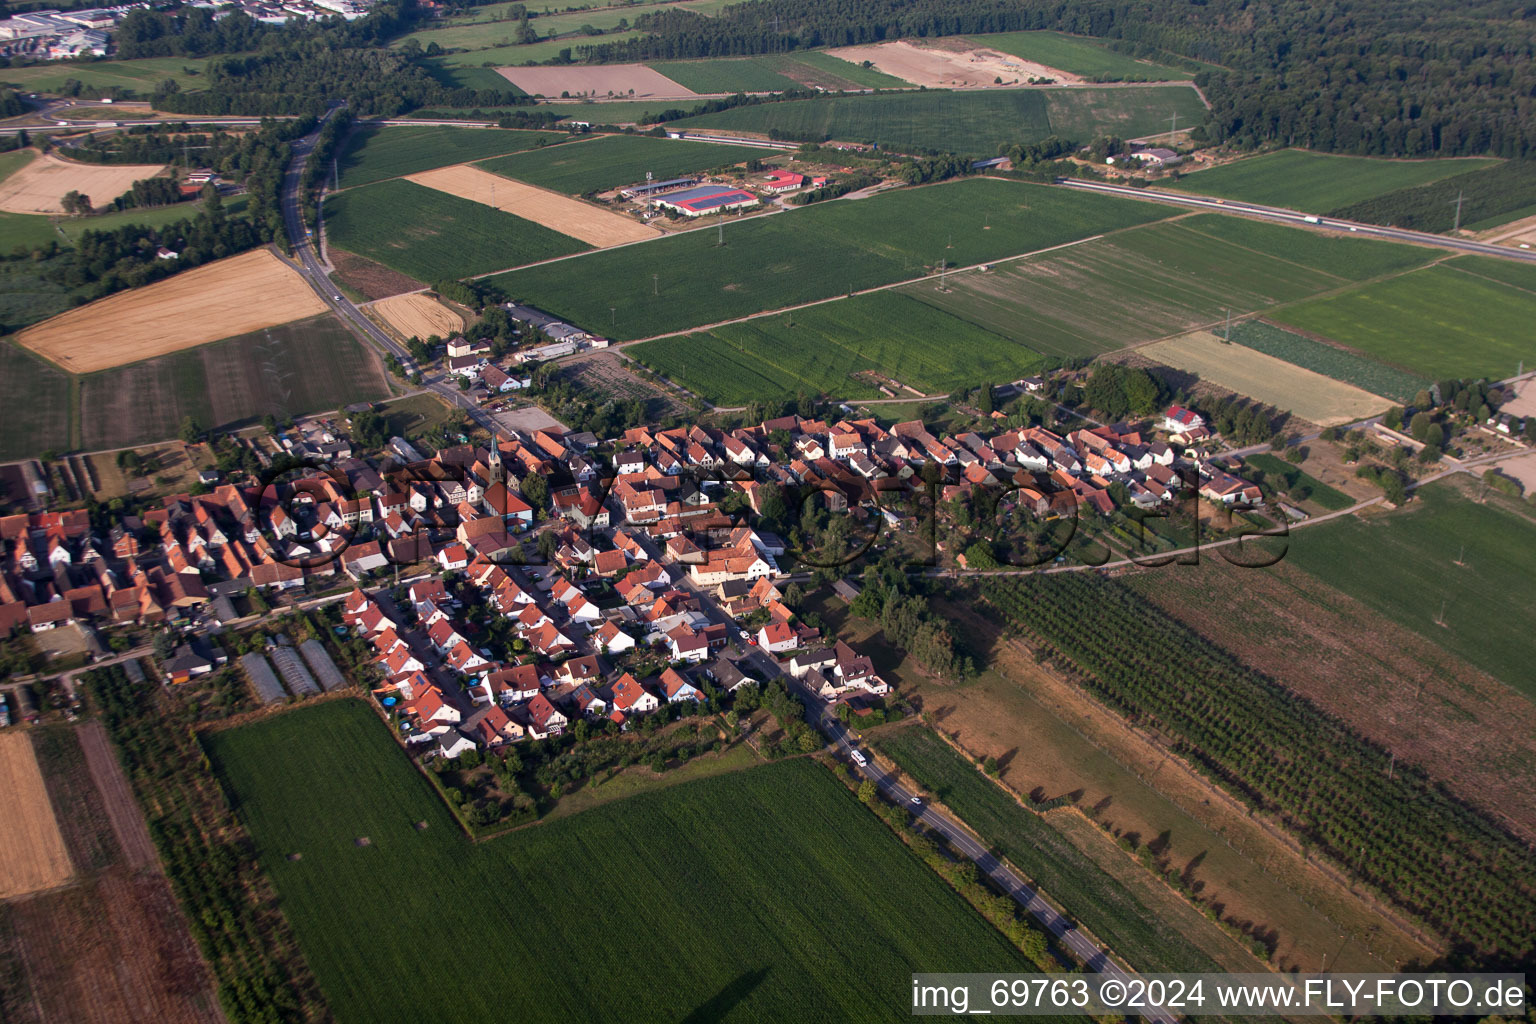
{"x":1396,"y":829}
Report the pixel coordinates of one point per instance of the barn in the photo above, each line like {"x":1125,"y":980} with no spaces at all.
{"x":696,"y":202}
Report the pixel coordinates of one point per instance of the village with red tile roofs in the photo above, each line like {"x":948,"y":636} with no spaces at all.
{"x":502,"y":591}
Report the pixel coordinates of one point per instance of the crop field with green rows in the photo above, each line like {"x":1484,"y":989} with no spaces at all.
{"x":689,"y":281}
{"x":615,"y":160}
{"x":1328,"y":360}
{"x":655,"y":907}
{"x":374,"y":153}
{"x":431,"y":235}
{"x":818,"y":350}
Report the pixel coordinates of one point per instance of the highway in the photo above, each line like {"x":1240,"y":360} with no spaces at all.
{"x":1305,"y":220}
{"x":309,"y":265}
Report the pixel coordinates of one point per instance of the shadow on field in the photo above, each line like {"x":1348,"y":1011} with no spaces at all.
{"x":726,"y":999}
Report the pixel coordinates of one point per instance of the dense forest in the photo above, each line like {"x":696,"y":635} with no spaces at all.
{"x":1415,"y":78}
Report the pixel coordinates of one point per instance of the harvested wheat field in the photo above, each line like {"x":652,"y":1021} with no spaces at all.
{"x":35,"y":856}
{"x":558,"y":213}
{"x":1312,"y":396}
{"x":38,"y":187}
{"x":944,"y":67}
{"x":615,"y":81}
{"x":418,"y":315}
{"x":218,"y":300}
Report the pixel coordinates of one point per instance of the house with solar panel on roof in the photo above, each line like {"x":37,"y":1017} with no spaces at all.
{"x":696,"y":202}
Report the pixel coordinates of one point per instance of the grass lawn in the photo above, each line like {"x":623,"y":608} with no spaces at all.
{"x":817,"y":351}
{"x":1091,"y":895}
{"x":139,"y":75}
{"x":614,"y":160}
{"x":306,"y":366}
{"x":1328,"y":360}
{"x":815,"y":253}
{"x":433,"y":236}
{"x":1284,"y":476}
{"x":374,"y":153}
{"x":965,"y":122}
{"x":1078,"y":55}
{"x":1404,"y":566}
{"x":1155,"y":281}
{"x":1438,"y":322}
{"x":36,"y":398}
{"x":1316,"y":182}
{"x":766,"y":894}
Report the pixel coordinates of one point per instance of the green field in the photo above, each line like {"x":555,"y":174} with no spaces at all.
{"x":492,"y":27}
{"x":855,"y":75}
{"x":495,"y":53}
{"x":139,"y":75}
{"x":1377,"y":378}
{"x":745,"y":74}
{"x":1438,"y":322}
{"x":1516,"y":275}
{"x":614,"y":160}
{"x":1317,"y":182}
{"x":817,"y":350}
{"x":815,"y":253}
{"x":1405,"y":568}
{"x":307,"y":366}
{"x":375,"y":153}
{"x":1283,"y":476}
{"x":1077,"y":55}
{"x":775,"y":73}
{"x":966,"y":122}
{"x":1090,"y":894}
{"x":765,"y":894}
{"x":35,"y":394}
{"x":433,"y":236}
{"x":1156,"y":281}
{"x":14,"y":161}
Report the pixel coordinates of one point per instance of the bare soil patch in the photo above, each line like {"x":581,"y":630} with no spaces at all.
{"x":1310,"y":395}
{"x":612,"y":81}
{"x":371,"y":279}
{"x":35,"y":856}
{"x":939,"y":66}
{"x":38,"y":187}
{"x":218,"y":300}
{"x":117,"y":798}
{"x":113,"y":951}
{"x":419,"y":315}
{"x":568,"y":216}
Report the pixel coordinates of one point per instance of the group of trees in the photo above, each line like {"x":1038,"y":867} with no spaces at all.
{"x":894,"y":599}
{"x":1362,"y":76}
{"x":1118,"y":391}
{"x":1240,"y":420}
{"x":1399,"y":831}
{"x":206,"y":855}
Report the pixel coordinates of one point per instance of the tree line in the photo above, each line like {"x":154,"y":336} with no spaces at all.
{"x":1361,"y":76}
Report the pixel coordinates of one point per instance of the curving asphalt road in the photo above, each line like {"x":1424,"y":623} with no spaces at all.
{"x":308,"y":264}
{"x":1305,"y":220}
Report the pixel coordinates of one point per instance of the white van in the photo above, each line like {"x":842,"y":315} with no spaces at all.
{"x":858,"y":757}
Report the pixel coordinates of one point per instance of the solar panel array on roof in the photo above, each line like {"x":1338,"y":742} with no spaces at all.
{"x":320,"y":662}
{"x":268,"y":689}
{"x":294,"y":673}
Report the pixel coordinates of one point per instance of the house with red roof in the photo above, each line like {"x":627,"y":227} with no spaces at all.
{"x":544,"y":719}
{"x":632,"y":698}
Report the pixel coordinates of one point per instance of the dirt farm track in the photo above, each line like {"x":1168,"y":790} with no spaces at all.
{"x":217,"y":300}
{"x":38,"y":187}
{"x":35,"y":856}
